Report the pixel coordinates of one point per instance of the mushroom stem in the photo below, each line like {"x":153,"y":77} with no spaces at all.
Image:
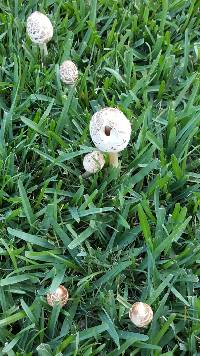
{"x":86,"y":174}
{"x":113,"y":159}
{"x":43,"y":48}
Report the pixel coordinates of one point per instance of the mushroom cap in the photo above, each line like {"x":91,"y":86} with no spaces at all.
{"x":39,"y":28}
{"x":68,"y":72}
{"x":61,"y":296}
{"x":110,"y":130}
{"x":141,"y":314}
{"x":93,"y":162}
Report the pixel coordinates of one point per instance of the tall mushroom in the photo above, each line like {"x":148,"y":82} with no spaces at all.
{"x":40,"y":30}
{"x":110,"y":131}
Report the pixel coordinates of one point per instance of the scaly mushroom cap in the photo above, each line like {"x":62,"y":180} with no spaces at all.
{"x":61,"y":296}
{"x":68,"y":72}
{"x":141,"y":314}
{"x":39,"y":28}
{"x":110,"y":130}
{"x":93,"y":162}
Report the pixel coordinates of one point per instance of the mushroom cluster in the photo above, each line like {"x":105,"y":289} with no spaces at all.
{"x":40,"y":31}
{"x":110,"y":131}
{"x":141,"y":314}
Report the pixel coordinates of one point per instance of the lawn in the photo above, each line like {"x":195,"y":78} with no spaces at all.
{"x":118,"y":236}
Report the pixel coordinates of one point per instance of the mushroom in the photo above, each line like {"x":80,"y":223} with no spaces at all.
{"x":60,"y":296}
{"x":40,"y":30}
{"x":141,"y":314}
{"x":110,"y":131}
{"x":93,"y":162}
{"x":68,"y":72}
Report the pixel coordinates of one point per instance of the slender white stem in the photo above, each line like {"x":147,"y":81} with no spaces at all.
{"x":43,"y":49}
{"x":86,"y":174}
{"x":113,"y":159}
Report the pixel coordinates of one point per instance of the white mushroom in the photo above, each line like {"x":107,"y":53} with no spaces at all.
{"x":68,"y":72}
{"x":93,"y":162}
{"x":110,"y":131}
{"x":141,"y":314}
{"x":39,"y":29}
{"x":60,"y":296}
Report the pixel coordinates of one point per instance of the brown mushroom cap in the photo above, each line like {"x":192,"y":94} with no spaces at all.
{"x":61,"y":296}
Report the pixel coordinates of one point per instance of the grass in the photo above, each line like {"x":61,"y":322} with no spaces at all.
{"x":119,"y":236}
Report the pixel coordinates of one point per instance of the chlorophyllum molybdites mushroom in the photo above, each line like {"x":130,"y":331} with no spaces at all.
{"x":110,"y":131}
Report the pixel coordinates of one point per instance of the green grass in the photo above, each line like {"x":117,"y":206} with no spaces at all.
{"x":119,"y":236}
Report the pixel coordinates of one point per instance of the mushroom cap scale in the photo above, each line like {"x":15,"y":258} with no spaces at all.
{"x":93,"y":162}
{"x":110,"y":130}
{"x":68,"y":72}
{"x":60,"y":296}
{"x":39,"y":28}
{"x":141,"y":314}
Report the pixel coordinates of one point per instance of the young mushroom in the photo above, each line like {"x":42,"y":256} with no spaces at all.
{"x":93,"y":162}
{"x":141,"y":314}
{"x":40,"y":30}
{"x":68,"y":72}
{"x":110,"y":131}
{"x":60,"y":296}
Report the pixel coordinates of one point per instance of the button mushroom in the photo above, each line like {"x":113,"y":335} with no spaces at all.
{"x":110,"y":131}
{"x":141,"y":314}
{"x":40,"y":30}
{"x":93,"y":162}
{"x":68,"y":72}
{"x":60,"y":296}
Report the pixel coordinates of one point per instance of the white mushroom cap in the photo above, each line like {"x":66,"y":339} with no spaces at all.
{"x":110,"y":130}
{"x":60,"y":296}
{"x":141,"y":314}
{"x":39,"y":28}
{"x":93,"y":162}
{"x":68,"y":72}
